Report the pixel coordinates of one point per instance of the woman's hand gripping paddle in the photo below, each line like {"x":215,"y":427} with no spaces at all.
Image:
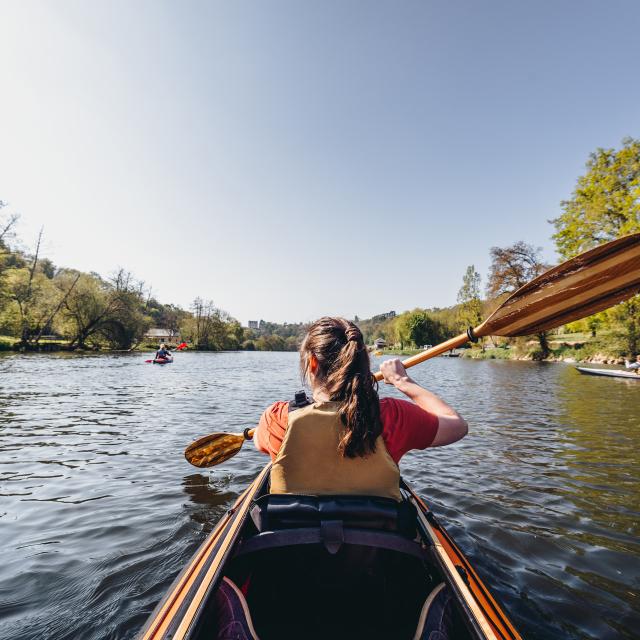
{"x":593,"y":281}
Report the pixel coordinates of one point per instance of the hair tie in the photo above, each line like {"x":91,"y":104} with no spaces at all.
{"x":352,"y":333}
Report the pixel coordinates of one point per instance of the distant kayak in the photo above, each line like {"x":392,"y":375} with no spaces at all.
{"x":168,"y":360}
{"x":613,"y":373}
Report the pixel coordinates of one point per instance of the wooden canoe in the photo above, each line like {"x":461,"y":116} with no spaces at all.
{"x":299,"y":586}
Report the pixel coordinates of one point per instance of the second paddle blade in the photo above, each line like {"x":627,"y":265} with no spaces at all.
{"x":213,"y":449}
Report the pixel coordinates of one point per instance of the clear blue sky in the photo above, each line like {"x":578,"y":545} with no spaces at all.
{"x":293,"y":159}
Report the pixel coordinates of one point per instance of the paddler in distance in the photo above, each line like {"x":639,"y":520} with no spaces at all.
{"x":163,"y":353}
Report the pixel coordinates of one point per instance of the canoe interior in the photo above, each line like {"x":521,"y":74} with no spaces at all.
{"x":305,"y":590}
{"x":359,"y":592}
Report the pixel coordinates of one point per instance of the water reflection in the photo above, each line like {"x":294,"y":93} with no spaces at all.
{"x":210,"y":497}
{"x":99,"y":511}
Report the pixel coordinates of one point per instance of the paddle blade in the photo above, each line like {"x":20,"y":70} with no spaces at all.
{"x":593,"y":281}
{"x":213,"y":449}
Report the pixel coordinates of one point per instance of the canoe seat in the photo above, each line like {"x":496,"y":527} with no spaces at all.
{"x":286,"y":511}
{"x":285,"y":520}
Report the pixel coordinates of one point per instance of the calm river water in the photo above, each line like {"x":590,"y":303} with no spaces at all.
{"x":99,"y":510}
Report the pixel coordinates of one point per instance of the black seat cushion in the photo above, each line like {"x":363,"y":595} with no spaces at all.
{"x":285,"y":511}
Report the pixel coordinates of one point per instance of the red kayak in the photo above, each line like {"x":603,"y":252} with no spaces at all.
{"x":161,"y":360}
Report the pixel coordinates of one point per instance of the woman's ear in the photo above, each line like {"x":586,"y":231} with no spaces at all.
{"x":313,"y":364}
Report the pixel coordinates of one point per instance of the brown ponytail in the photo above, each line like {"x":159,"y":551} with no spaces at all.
{"x":344,"y":372}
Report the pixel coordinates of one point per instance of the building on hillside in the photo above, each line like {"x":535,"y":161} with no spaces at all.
{"x":380,"y":343}
{"x":253,"y":324}
{"x":162,"y":335}
{"x":384,"y":316}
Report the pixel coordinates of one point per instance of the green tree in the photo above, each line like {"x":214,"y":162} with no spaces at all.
{"x":419,"y":328}
{"x":511,"y":268}
{"x":605,"y":205}
{"x":209,"y":327}
{"x":7,"y":223}
{"x":89,"y":308}
{"x":126,"y":323}
{"x":470,"y":305}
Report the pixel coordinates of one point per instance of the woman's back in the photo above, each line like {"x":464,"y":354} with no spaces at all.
{"x":309,"y":461}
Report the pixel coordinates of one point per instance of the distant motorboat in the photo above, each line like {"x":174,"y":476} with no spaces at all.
{"x":612,"y":373}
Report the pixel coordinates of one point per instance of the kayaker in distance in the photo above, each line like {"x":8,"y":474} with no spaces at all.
{"x":345,"y":440}
{"x":162,"y":352}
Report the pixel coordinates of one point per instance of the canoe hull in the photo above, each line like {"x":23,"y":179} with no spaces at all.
{"x":185,"y":611}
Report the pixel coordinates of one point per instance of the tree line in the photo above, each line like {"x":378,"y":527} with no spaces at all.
{"x":42,"y":305}
{"x":39,"y":300}
{"x":604,"y":205}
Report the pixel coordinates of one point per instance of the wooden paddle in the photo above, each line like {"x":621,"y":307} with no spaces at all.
{"x":216,"y":448}
{"x":580,"y":287}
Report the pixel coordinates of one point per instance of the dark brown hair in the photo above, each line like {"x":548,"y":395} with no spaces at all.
{"x":345,"y":374}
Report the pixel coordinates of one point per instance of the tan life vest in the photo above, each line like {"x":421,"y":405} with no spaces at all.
{"x":310,"y":463}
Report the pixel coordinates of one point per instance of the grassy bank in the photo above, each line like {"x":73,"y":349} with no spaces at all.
{"x":577,"y":347}
{"x":7,"y":343}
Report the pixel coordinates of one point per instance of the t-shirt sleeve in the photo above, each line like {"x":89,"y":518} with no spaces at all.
{"x":271,"y":428}
{"x":405,"y":426}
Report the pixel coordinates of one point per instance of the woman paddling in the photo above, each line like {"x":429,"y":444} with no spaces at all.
{"x":345,"y":440}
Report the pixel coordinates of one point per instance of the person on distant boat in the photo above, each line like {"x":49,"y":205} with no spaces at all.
{"x":345,"y":440}
{"x":162,"y":353}
{"x":634,"y":366}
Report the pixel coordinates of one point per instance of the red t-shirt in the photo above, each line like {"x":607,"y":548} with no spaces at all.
{"x":405,"y":426}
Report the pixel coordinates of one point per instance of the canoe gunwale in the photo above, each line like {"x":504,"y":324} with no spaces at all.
{"x":468,"y":586}
{"x":173,"y":606}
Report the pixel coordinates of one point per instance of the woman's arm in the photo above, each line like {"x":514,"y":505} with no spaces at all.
{"x":451,"y":425}
{"x":271,"y":428}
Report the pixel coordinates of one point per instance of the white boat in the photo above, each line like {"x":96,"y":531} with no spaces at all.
{"x":614,"y":373}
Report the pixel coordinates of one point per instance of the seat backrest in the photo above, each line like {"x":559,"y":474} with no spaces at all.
{"x":285,"y":511}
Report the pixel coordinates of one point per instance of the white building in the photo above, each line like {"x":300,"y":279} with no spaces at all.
{"x":162,"y":335}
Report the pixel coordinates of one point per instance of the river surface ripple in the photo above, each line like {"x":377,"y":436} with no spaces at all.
{"x":99,"y":510}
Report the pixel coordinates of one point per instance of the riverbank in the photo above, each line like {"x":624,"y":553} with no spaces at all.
{"x":606,"y":349}
{"x":499,"y":353}
{"x":564,"y":348}
{"x":9,"y":343}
